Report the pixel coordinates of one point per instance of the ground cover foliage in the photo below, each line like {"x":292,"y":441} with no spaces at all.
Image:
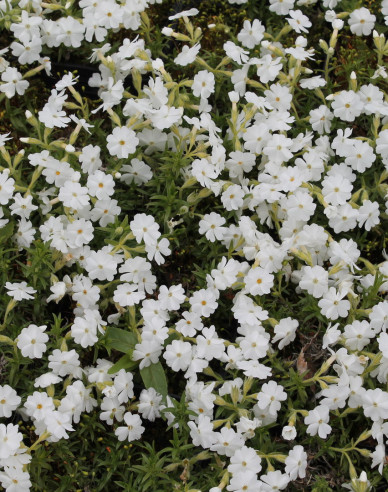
{"x":193,"y":216}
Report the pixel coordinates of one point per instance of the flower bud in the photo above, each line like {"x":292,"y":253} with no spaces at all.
{"x":289,"y":432}
{"x":338,"y":24}
{"x":167,"y":31}
{"x":233,"y":96}
{"x":323,"y":45}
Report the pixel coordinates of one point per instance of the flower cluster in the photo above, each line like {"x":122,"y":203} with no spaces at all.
{"x":275,"y":174}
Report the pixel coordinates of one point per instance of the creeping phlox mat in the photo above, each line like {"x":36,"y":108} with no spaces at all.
{"x":193,"y":217}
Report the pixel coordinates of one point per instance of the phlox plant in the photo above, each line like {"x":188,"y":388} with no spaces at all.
{"x":192,"y":245}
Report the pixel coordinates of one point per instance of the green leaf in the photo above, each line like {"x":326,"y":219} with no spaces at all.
{"x":6,"y":231}
{"x":125,"y":362}
{"x":154,"y":377}
{"x":121,"y":340}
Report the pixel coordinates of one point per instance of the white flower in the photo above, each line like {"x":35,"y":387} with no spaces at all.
{"x":137,"y":171}
{"x":233,"y":197}
{"x":100,"y":185}
{"x":212,"y":226}
{"x":29,"y":51}
{"x":145,"y":228}
{"x":58,"y":291}
{"x":285,"y":332}
{"x":57,"y":424}
{"x":347,"y":105}
{"x":128,"y":295}
{"x":251,"y":34}
{"x":270,"y":396}
{"x":320,"y":119}
{"x":157,"y":251}
{"x":148,"y":351}
{"x":101,"y":265}
{"x":123,"y":384}
{"x":258,"y":281}
{"x":209,"y":346}
{"x":237,"y":54}
{"x":71,"y":31}
{"x":32,"y":341}
{"x":380,"y":72}
{"x":122,"y":142}
{"x":13,"y":82}
{"x":184,"y":13}
{"x":150,"y":404}
{"x":201,"y":432}
{"x":281,"y":7}
{"x":296,"y":463}
{"x":132,"y":430}
{"x":357,"y":335}
{"x":312,"y":82}
{"x":361,"y":22}
{"x":90,"y":158}
{"x":375,"y":404}
{"x":203,"y":302}
{"x":314,"y":280}
{"x":204,"y":172}
{"x":298,"y":21}
{"x":19,"y":290}
{"x":84,"y":331}
{"x":171,"y":298}
{"x":289,"y":432}
{"x":268,"y":68}
{"x":9,"y":401}
{"x":227,"y":442}
{"x":332,"y":304}
{"x":317,"y":422}
{"x":203,"y":84}
{"x":79,"y":232}
{"x":254,"y":344}
{"x":178,"y":355}
{"x":46,"y":380}
{"x":52,"y":114}
{"x":331,"y":336}
{"x":379,"y":317}
{"x":3,"y":138}
{"x":64,"y":363}
{"x":6,"y":187}
{"x":10,"y":439}
{"x":73,"y":195}
{"x":14,"y":479}
{"x":246,"y":480}
{"x":165,"y":117}
{"x":368,"y":214}
{"x":27,"y":27}
{"x":187,"y":55}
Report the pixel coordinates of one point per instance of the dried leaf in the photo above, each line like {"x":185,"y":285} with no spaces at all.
{"x":301,"y":364}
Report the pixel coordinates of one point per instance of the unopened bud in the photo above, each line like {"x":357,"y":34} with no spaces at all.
{"x":167,"y":31}
{"x":323,"y":45}
{"x":338,"y":24}
{"x":29,"y":140}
